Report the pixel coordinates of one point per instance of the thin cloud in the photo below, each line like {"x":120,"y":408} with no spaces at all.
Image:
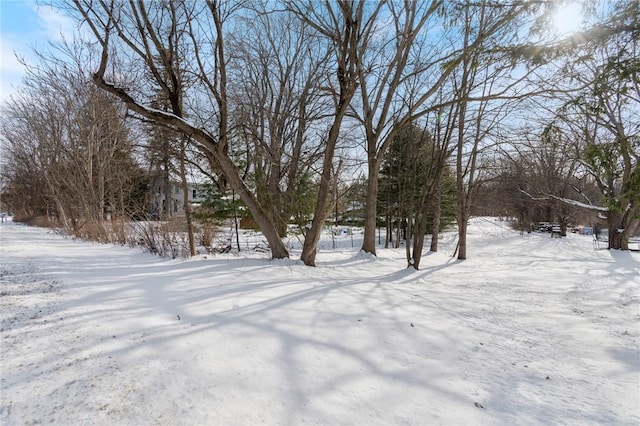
{"x":11,"y":70}
{"x":8,"y":60}
{"x":54,"y":25}
{"x":50,"y":26}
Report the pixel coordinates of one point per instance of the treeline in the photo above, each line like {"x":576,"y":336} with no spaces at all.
{"x":431,"y":111}
{"x":69,"y":153}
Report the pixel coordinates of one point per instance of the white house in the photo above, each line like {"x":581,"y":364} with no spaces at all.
{"x":158,"y":197}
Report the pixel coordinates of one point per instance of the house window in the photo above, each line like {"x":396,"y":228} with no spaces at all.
{"x":177,"y":190}
{"x":193,"y":194}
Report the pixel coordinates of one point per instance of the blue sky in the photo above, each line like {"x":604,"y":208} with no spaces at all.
{"x":24,"y":25}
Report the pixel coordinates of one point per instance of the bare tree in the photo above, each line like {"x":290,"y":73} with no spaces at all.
{"x":399,"y":81}
{"x":144,"y":35}
{"x":484,"y":91}
{"x":399,"y":58}
{"x":601,"y":63}
{"x":603,"y":118}
{"x":349,"y":27}
{"x":74,"y":137}
{"x":279,"y":106}
{"x":443,"y":131}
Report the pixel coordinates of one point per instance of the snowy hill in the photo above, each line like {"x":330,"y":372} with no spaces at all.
{"x":529,"y":330}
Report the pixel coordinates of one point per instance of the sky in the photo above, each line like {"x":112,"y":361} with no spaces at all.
{"x":25,"y":25}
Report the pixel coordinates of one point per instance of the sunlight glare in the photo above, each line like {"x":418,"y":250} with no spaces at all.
{"x":567,"y":19}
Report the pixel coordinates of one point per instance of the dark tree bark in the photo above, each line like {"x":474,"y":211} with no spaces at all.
{"x":185,"y":197}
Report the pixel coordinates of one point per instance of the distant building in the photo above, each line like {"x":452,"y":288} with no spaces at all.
{"x":158,"y":197}
{"x":353,"y":213}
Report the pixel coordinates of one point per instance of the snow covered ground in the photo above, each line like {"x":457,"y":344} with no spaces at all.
{"x":528,"y":331}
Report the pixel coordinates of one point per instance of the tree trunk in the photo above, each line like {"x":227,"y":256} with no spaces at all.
{"x":619,"y":230}
{"x":275,"y":197}
{"x":185,"y":198}
{"x":420,"y":228}
{"x":437,"y":210}
{"x":462,"y":233}
{"x":235,"y":219}
{"x":309,"y":248}
{"x":389,"y":232}
{"x":268,"y":228}
{"x":563,"y":226}
{"x":369,"y":237}
{"x":407,"y":243}
{"x":166,"y":183}
{"x":462,"y":194}
{"x":101,"y":196}
{"x":418,"y":242}
{"x":615,"y":239}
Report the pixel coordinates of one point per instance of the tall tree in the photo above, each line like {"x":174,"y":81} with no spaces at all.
{"x":400,"y":81}
{"x":396,"y":61}
{"x":603,"y":62}
{"x":137,"y":37}
{"x":349,"y":27}
{"x":443,"y":131}
{"x":409,"y":181}
{"x":482,"y":86}
{"x":605,"y":117}
{"x":278,"y":105}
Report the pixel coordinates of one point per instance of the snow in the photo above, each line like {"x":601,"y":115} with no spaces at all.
{"x":530,"y":330}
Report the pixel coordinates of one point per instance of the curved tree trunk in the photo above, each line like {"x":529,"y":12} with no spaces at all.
{"x":260,"y":215}
{"x":216,"y":151}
